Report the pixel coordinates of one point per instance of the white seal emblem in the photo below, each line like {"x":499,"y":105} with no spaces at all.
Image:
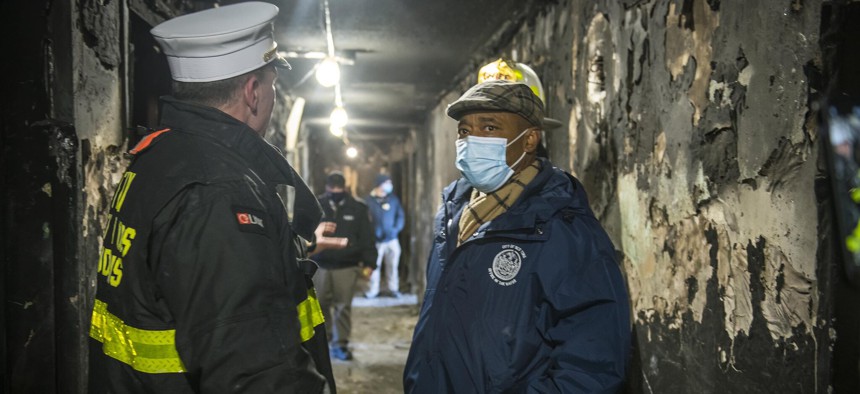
{"x":506,"y":265}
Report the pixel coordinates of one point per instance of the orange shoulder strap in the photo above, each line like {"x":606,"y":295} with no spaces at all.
{"x":144,"y":143}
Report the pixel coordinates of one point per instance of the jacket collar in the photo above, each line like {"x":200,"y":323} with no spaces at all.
{"x":550,"y":191}
{"x":326,"y":200}
{"x":263,"y":158}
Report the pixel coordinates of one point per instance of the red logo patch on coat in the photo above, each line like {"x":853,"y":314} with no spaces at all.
{"x":250,"y":220}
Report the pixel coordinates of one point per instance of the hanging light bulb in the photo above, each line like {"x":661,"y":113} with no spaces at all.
{"x":336,"y":131}
{"x":338,"y":117}
{"x":352,"y":152}
{"x":328,"y":72}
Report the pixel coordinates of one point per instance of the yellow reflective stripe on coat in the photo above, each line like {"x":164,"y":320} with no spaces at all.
{"x":310,"y":315}
{"x":147,"y":351}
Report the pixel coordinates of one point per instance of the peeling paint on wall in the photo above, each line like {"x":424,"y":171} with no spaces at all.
{"x":590,"y":155}
{"x":575,"y":110}
{"x":689,"y":32}
{"x":667,"y":262}
{"x":98,"y":109}
{"x":99,"y":26}
{"x":102,"y":174}
{"x":573,"y":138}
{"x":591,"y":113}
{"x":732,"y":270}
{"x":791,"y":301}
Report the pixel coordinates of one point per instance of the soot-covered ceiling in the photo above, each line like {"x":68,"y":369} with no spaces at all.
{"x":404,"y":54}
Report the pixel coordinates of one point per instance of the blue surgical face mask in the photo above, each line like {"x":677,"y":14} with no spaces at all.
{"x":482,"y":161}
{"x":387,"y":188}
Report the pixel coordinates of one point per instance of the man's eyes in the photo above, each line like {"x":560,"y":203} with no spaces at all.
{"x":485,"y":128}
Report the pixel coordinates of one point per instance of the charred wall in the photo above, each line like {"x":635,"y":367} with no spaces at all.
{"x":39,"y":179}
{"x":692,"y":125}
{"x":65,"y":122}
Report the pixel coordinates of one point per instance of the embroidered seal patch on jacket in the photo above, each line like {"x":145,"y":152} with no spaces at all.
{"x":506,"y":265}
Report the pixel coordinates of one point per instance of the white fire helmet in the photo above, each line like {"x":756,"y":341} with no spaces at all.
{"x":517,"y":72}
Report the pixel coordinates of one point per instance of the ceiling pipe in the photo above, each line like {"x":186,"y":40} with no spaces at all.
{"x":338,"y":98}
{"x":320,"y":121}
{"x":345,"y":58}
{"x":329,"y":37}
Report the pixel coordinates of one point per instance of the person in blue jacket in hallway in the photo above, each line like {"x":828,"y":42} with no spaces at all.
{"x":524,"y":294}
{"x":388,"y":221}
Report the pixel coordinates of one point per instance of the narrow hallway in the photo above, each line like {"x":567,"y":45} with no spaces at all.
{"x":716,"y":143}
{"x":381,"y":335}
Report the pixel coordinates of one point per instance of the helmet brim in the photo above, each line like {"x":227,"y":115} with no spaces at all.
{"x":551,"y":124}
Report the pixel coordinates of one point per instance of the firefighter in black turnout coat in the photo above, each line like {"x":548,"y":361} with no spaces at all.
{"x":201,"y":284}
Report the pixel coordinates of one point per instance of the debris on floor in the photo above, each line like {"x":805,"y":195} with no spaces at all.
{"x":382,"y":332}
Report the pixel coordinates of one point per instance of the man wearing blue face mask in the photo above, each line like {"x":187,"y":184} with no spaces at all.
{"x":388,"y":221}
{"x":523,"y":291}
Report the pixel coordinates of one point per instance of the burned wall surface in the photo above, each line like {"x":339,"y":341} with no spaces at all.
{"x":41,"y":303}
{"x":691,"y":125}
{"x":716,"y":194}
{"x":64,"y":127}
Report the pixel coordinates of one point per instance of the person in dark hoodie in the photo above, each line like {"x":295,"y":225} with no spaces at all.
{"x":347,"y":219}
{"x":524,"y":294}
{"x":202,"y":283}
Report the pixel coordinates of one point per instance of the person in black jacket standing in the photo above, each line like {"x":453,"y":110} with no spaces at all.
{"x":341,"y":267}
{"x":201,"y":282}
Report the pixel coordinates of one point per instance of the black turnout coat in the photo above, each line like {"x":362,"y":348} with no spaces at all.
{"x":201,"y":286}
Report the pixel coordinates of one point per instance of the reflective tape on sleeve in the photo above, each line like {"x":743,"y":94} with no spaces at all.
{"x":310,"y":315}
{"x":148,"y":351}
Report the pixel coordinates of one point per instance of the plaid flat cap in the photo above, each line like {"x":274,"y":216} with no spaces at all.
{"x":499,"y":95}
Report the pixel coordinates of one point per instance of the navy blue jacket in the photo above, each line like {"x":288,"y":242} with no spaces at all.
{"x":533,"y":302}
{"x":387,"y":222}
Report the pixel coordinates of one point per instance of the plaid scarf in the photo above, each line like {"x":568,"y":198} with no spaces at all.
{"x":483,"y":208}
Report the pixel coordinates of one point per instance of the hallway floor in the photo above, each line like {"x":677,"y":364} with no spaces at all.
{"x":382,"y":332}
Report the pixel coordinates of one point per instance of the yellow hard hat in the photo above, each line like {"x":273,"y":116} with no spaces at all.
{"x":517,"y":72}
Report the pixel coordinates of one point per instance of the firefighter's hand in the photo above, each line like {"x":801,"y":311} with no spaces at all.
{"x":331,"y":243}
{"x":325,"y":228}
{"x":366,"y":272}
{"x":324,"y":242}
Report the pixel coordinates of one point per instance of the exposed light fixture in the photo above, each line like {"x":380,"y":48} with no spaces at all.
{"x":328,"y":72}
{"x":352,"y":152}
{"x":339,"y":118}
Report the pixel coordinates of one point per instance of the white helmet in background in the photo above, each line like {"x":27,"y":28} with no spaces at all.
{"x":517,"y":72}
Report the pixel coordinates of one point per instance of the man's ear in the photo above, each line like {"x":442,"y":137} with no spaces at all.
{"x":531,"y":140}
{"x":250,"y":93}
